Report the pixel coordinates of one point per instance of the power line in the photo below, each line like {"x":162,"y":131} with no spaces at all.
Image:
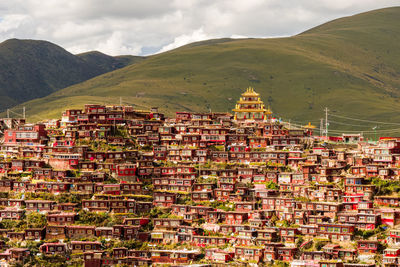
{"x":336,"y":131}
{"x":16,"y":113}
{"x":369,"y":121}
{"x":342,"y":123}
{"x":372,"y":131}
{"x":296,"y":121}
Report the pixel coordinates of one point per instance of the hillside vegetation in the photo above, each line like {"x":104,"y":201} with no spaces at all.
{"x":351,"y":65}
{"x":31,"y":69}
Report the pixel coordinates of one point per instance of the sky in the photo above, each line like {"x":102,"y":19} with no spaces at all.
{"x":143,"y":27}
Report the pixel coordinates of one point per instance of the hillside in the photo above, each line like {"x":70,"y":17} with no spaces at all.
{"x":108,"y":63}
{"x":351,"y":65}
{"x":32,"y":69}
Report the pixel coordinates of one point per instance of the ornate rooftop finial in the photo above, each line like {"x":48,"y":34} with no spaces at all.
{"x":309,"y":125}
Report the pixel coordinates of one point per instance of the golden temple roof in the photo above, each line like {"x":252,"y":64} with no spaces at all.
{"x":248,"y":110}
{"x":250,"y":92}
{"x":241,"y":101}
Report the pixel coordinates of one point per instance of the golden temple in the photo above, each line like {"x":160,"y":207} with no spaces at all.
{"x":250,"y":107}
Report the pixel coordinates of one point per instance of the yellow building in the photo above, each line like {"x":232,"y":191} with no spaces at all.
{"x":250,"y":107}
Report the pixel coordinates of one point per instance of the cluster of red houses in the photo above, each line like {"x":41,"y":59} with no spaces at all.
{"x":219,"y":189}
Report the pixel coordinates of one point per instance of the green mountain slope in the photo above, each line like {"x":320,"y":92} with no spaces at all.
{"x":108,"y":63}
{"x":31,"y":69}
{"x":351,"y":65}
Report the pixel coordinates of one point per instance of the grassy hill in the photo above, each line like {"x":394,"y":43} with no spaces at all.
{"x":31,"y":69}
{"x":351,"y":65}
{"x":108,"y":63}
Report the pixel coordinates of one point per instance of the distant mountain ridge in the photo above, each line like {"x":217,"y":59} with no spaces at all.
{"x":350,"y":65}
{"x":32,"y":69}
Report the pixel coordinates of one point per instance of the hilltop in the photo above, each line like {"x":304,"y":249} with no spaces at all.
{"x":351,"y":65}
{"x":32,"y":69}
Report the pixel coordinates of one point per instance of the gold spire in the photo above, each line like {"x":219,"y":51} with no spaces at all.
{"x":309,"y":126}
{"x":268,"y":111}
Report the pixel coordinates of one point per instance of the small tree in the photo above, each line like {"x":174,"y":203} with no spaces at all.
{"x":96,"y":218}
{"x":271,"y":185}
{"x":36,"y":220}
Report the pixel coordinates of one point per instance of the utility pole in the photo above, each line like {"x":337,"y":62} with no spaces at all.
{"x":120,"y":101}
{"x":23,"y":112}
{"x":321,"y":127}
{"x":8,"y":113}
{"x":326,"y":123}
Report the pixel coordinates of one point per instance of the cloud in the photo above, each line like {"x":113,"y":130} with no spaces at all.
{"x":236,"y":36}
{"x":143,"y":27}
{"x":13,"y":22}
{"x":197,"y":35}
{"x":115,"y":45}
